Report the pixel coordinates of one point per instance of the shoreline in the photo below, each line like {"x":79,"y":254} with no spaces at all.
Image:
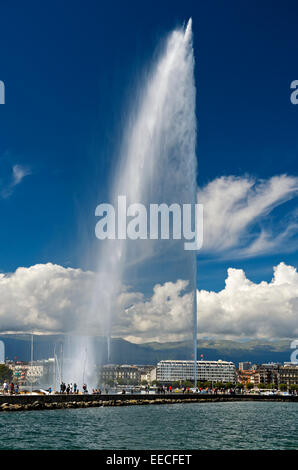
{"x":59,"y":401}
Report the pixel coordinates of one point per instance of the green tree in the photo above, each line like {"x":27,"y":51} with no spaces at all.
{"x":132,"y":382}
{"x":271,"y":386}
{"x":220,"y":385}
{"x":110,"y":382}
{"x":207,"y":384}
{"x":283,"y":387}
{"x":261,"y":385}
{"x":187,"y":383}
{"x":155,"y":382}
{"x":250,"y":386}
{"x":176,"y":384}
{"x":5,"y":373}
{"x":229,"y":385}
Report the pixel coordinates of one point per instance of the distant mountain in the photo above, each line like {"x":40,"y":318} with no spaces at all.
{"x":18,"y":347}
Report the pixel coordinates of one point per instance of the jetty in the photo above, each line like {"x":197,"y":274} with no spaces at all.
{"x":26,"y":402}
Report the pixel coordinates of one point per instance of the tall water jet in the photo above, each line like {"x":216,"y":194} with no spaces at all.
{"x":157,"y":164}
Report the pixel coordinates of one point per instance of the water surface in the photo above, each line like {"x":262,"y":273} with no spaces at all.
{"x":238,"y":425}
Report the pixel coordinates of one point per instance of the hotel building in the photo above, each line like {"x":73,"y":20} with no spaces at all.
{"x":208,"y":371}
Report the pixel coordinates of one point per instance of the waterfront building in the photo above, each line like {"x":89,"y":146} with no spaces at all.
{"x":244,"y":365}
{"x":37,"y":372}
{"x":288,"y":374}
{"x":267,"y":374}
{"x":208,"y":371}
{"x":245,"y":376}
{"x":148,"y":374}
{"x":115,"y":373}
{"x":276,"y":374}
{"x":24,"y":373}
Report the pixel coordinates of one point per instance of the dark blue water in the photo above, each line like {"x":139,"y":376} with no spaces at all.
{"x":238,"y":425}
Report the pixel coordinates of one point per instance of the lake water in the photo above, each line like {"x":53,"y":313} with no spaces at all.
{"x":237,"y":425}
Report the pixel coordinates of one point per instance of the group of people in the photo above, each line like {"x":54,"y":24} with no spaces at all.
{"x":10,"y":388}
{"x":69,"y":389}
{"x":163,"y":389}
{"x":169,"y":389}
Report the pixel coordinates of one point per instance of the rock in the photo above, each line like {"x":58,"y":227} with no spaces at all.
{"x":18,"y":407}
{"x":5,"y":407}
{"x":107,"y":403}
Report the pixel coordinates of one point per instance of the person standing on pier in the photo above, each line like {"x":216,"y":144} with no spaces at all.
{"x":5,"y":387}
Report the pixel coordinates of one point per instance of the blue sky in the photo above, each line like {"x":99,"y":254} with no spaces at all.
{"x":69,"y":70}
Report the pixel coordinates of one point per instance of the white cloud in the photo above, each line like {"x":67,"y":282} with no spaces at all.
{"x":166,"y":316}
{"x":266,"y":310}
{"x":243,"y":308}
{"x":50,"y":298}
{"x":18,"y":174}
{"x":235,"y":210}
{"x":44,"y":298}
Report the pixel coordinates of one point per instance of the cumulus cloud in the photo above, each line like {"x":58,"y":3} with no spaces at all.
{"x":49,"y":298}
{"x":266,"y":310}
{"x":235,"y":210}
{"x":44,"y":298}
{"x":243,"y":308}
{"x":165,"y":316}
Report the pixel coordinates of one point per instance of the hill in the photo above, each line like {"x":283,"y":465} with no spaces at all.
{"x":18,"y":347}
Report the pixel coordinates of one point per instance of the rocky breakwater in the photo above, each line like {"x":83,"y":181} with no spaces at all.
{"x":57,"y":401}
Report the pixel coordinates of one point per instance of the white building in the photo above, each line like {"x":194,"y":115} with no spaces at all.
{"x":34,"y":371}
{"x":37,"y":372}
{"x":149,"y":375}
{"x":208,"y":371}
